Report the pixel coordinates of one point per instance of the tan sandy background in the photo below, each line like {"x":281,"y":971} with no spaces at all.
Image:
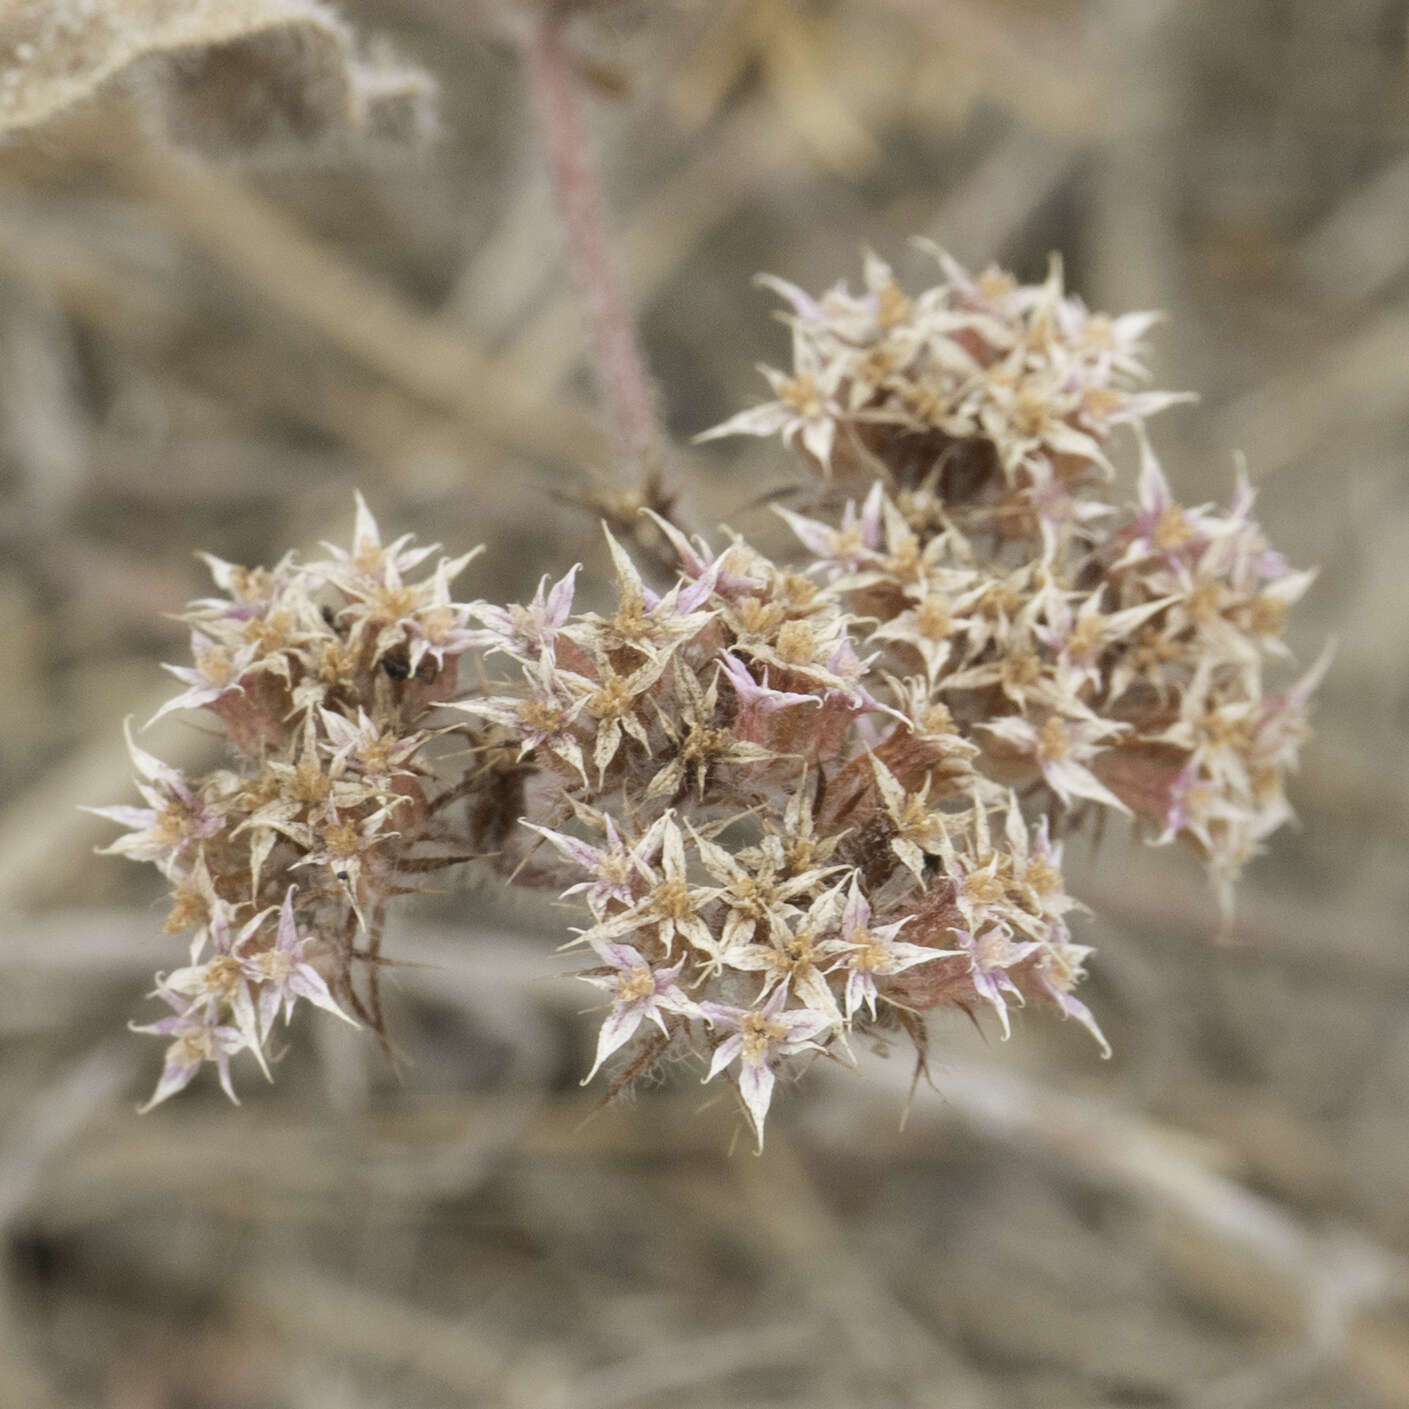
{"x":243,"y":271}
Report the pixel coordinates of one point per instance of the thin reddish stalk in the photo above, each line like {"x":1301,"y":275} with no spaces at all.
{"x":618,"y":361}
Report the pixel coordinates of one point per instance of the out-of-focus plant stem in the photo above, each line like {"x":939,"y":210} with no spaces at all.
{"x":618,"y":361}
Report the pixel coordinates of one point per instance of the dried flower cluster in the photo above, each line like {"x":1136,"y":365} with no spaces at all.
{"x":800,"y":803}
{"x":323,"y":676}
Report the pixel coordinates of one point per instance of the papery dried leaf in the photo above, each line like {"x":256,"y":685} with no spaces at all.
{"x":220,"y":76}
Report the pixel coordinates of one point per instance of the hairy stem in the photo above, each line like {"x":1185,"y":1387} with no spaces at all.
{"x":618,"y":361}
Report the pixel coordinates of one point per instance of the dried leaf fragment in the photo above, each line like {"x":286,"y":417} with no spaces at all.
{"x":220,"y":76}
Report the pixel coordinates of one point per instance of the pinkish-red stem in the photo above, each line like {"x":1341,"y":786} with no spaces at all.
{"x":619,"y":365}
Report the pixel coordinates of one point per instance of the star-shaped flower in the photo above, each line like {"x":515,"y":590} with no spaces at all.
{"x":639,"y":993}
{"x":435,"y":627}
{"x":174,"y":822}
{"x":379,"y":755}
{"x":1161,"y":527}
{"x":757,"y":1038}
{"x":793,"y":954}
{"x":197,"y":1037}
{"x":543,"y":719}
{"x":867,"y":951}
{"x":846,"y":548}
{"x":806,"y":408}
{"x":282,"y":972}
{"x":1061,"y":749}
{"x":219,"y":669}
{"x":368,"y":558}
{"x":991,"y":955}
{"x":701,"y":744}
{"x":530,"y":632}
{"x":670,"y":903}
{"x":619,"y":873}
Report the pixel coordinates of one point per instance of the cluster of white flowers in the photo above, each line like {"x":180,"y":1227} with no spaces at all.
{"x":323,"y":675}
{"x":1128,"y":668}
{"x":766,"y":848}
{"x":975,"y":374}
{"x":801,"y":803}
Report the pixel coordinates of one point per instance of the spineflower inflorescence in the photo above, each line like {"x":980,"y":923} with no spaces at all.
{"x":799,"y":803}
